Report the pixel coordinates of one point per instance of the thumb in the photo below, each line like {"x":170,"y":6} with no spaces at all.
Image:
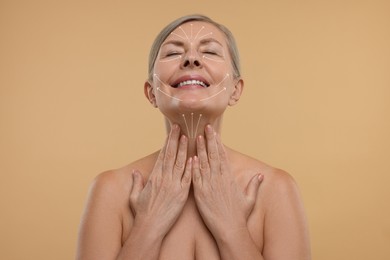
{"x":253,"y":187}
{"x":138,"y":185}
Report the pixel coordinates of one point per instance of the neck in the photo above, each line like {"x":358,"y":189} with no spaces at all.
{"x":192,"y":125}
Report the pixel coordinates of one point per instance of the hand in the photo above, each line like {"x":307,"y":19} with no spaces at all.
{"x":158,"y":203}
{"x":221,"y":202}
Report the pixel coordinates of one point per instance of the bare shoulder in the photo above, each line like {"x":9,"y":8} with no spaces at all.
{"x":275,"y":179}
{"x":109,"y":191}
{"x":118,"y":181}
{"x":101,"y":228}
{"x":285,"y":232}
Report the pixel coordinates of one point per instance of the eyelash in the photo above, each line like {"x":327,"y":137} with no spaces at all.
{"x":173,"y":54}
{"x":210,"y":52}
{"x":170,"y":54}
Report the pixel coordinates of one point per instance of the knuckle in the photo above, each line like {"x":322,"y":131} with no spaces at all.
{"x":169,"y":155}
{"x":204,"y":165}
{"x":222,"y":154}
{"x":186,"y":179}
{"x":179,"y":165}
{"x":213,"y":155}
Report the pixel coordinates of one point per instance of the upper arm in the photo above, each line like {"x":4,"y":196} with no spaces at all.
{"x":285,"y":229}
{"x":101,"y":225}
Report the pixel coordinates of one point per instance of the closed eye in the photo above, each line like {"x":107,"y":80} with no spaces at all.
{"x":210,"y":52}
{"x":170,"y":54}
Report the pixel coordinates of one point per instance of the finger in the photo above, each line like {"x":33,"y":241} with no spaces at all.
{"x":186,"y":178}
{"x":157,"y":169}
{"x":212,"y":149}
{"x":181,"y":158}
{"x":223,"y":160}
{"x":204,"y":167}
{"x":171,"y":149}
{"x":196,"y":176}
{"x":253,"y":187}
{"x":137,"y":186}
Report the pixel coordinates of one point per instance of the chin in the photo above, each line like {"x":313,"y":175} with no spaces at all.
{"x":192,"y":105}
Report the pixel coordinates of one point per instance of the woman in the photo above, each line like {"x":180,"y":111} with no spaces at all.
{"x":195,"y":198}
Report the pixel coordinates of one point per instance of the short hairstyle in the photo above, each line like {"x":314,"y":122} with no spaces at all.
{"x":166,"y":31}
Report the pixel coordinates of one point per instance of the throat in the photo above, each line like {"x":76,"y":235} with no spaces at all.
{"x":193,"y":124}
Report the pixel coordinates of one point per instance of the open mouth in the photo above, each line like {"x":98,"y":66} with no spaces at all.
{"x":192,"y":82}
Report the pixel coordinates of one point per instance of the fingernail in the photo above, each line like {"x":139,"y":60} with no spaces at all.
{"x":209,"y":129}
{"x":260,"y":177}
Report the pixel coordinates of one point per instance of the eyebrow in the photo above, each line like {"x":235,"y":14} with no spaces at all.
{"x":181,"y":43}
{"x":210,"y":40}
{"x":174,"y":42}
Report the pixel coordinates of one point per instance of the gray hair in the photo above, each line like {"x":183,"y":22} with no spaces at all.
{"x":231,"y":43}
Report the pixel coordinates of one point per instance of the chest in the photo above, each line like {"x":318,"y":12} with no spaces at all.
{"x":190,"y":238}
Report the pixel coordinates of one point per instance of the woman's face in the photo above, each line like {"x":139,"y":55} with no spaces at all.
{"x":193,"y":70}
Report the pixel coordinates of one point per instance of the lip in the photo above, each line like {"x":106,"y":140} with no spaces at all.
{"x":189,"y":77}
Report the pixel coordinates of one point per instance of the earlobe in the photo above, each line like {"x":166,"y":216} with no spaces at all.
{"x":237,"y":91}
{"x":149,"y":93}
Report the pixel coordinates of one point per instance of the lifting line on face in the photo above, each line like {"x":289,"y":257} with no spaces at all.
{"x":185,"y":122}
{"x":194,"y":131}
{"x":184,"y":33}
{"x":207,"y":34}
{"x":224,"y":89}
{"x":197,"y":125}
{"x":203,"y":99}
{"x":196,"y":36}
{"x":175,"y":34}
{"x":192,"y":123}
{"x":158,"y":89}
{"x":206,"y":57}
{"x":190,"y":39}
{"x":171,"y":59}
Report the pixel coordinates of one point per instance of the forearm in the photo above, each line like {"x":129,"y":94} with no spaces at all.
{"x":142,"y":244}
{"x":237,"y":244}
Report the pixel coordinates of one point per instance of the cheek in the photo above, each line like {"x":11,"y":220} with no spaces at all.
{"x":160,"y":75}
{"x":218,"y":67}
{"x":166,"y":67}
{"x":159,"y":70}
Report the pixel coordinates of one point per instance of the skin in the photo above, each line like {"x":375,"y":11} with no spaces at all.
{"x":195,"y":198}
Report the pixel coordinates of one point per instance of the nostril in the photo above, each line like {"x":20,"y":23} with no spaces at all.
{"x":191,"y":62}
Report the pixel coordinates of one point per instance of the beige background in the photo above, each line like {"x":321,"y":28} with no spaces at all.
{"x":316,"y":104}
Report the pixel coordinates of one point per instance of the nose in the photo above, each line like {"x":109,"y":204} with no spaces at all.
{"x":191,"y":60}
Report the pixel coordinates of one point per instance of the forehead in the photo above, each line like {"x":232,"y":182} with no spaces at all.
{"x":195,"y":31}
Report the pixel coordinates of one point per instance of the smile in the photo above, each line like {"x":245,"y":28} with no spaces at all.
{"x":191,"y":83}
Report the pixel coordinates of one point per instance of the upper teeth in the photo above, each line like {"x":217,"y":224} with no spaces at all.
{"x":192,"y":82}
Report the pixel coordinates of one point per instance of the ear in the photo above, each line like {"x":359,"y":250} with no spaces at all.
{"x":237,"y":91}
{"x":149,"y":93}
